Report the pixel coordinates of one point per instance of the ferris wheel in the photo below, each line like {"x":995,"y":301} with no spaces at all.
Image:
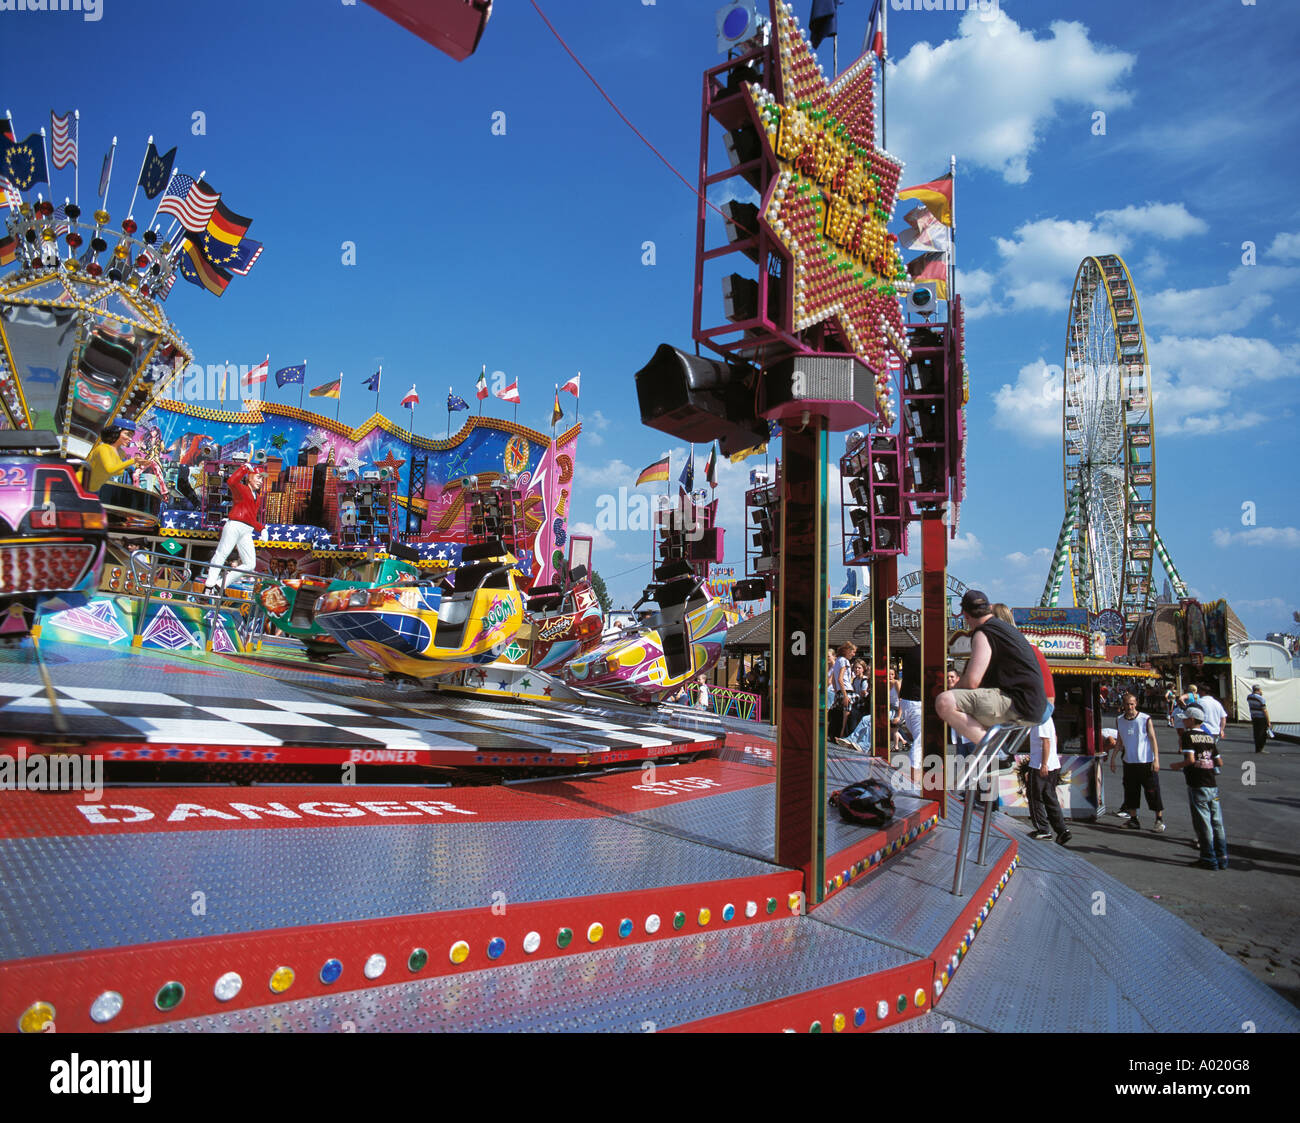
{"x":1108,"y":542}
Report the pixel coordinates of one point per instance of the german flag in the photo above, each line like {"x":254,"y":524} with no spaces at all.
{"x":937,"y":197}
{"x":329,"y":390}
{"x":226,"y":226}
{"x":932,"y":268}
{"x":198,"y":270}
{"x":8,"y":250}
{"x":655,"y":473}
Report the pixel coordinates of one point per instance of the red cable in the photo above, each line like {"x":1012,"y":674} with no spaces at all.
{"x":621,"y":114}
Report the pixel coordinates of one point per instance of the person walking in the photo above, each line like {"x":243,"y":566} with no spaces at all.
{"x":1260,"y":724}
{"x":1044,"y":778}
{"x":1199,"y":766}
{"x":1137,"y":742}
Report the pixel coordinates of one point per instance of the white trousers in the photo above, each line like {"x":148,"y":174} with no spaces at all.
{"x":911,"y":715}
{"x":234,"y":536}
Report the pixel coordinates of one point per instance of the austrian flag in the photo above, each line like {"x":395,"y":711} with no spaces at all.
{"x":510,"y":393}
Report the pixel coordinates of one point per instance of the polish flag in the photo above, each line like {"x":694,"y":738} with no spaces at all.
{"x":572,"y":384}
{"x":411,"y":399}
{"x":510,"y":393}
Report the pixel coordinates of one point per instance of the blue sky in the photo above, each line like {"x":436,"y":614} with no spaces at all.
{"x":523,"y":249}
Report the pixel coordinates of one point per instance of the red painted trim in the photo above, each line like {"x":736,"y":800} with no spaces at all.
{"x":799,"y":1011}
{"x":71,"y":982}
{"x":323,"y":754}
{"x":950,"y":945}
{"x":842,"y":863}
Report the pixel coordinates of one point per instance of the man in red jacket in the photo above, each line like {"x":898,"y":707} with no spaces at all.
{"x":241,"y":525}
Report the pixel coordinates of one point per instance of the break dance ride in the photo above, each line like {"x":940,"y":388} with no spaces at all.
{"x":714,"y":895}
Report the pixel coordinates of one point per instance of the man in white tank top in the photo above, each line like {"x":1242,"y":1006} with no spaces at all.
{"x":1137,"y":742}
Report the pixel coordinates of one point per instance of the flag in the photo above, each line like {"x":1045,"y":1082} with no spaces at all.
{"x":876,"y":29}
{"x":328,"y":390}
{"x":653,"y":473}
{"x":156,"y":172}
{"x":6,"y":129}
{"x":8,"y":250}
{"x":287,"y":376}
{"x":9,"y":196}
{"x":687,"y":479}
{"x":933,"y":269}
{"x":60,"y":220}
{"x":480,"y":387}
{"x":23,"y":161}
{"x":372,"y":383}
{"x":926,"y":233}
{"x":105,"y":170}
{"x":510,"y":393}
{"x":196,"y":269}
{"x":412,"y":399}
{"x":258,"y":374}
{"x":556,"y":411}
{"x":193,"y":206}
{"x":65,"y":139}
{"x":936,"y":195}
{"x":241,"y":260}
{"x":572,"y":384}
{"x":455,"y":403}
{"x":225,"y":229}
{"x":711,"y":468}
{"x":821,"y":24}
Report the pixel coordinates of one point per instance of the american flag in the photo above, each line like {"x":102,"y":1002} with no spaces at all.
{"x":60,"y":222}
{"x":65,"y":139}
{"x":192,"y":203}
{"x":9,"y":194}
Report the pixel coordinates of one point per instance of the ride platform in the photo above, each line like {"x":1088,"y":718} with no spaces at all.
{"x":633,"y":900}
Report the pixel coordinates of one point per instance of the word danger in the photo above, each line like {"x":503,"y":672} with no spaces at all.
{"x":107,"y":813}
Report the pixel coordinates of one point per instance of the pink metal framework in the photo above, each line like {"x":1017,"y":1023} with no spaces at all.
{"x":878,"y":463}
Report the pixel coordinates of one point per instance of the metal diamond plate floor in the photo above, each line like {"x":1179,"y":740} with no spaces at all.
{"x":74,"y":893}
{"x":623,"y":990}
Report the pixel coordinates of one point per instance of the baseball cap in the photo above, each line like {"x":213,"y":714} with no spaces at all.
{"x":1195,"y":713}
{"x":974,"y":602}
{"x":123,"y":424}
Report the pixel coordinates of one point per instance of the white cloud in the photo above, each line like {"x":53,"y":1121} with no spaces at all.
{"x":1039,"y":557}
{"x":1284,"y":536}
{"x":965,"y":547}
{"x":1040,"y":261}
{"x":1269,"y":604}
{"x":1032,"y":407}
{"x":977,"y":288}
{"x":599,"y":539}
{"x":1155,"y":264}
{"x":998,"y":88}
{"x":1285,"y":246}
{"x":1202,"y":386}
{"x":1250,"y":289}
{"x":1155,"y":220}
{"x":593,"y":428}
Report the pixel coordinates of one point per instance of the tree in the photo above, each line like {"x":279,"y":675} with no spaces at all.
{"x":602,"y":594}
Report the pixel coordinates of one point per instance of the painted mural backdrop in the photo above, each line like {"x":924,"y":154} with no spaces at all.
{"x":488,"y":448}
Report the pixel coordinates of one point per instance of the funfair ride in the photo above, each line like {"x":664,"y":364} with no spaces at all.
{"x":1108,"y":542}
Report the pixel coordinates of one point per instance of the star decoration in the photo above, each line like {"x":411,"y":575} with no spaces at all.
{"x":350,"y":465}
{"x":279,"y":441}
{"x":390,"y":462}
{"x":835,"y":192}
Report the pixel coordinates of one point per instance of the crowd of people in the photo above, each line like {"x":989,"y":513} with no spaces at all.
{"x":1007,"y":681}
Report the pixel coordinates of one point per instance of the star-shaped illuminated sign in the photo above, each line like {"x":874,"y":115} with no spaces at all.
{"x":390,"y":462}
{"x":832,"y":197}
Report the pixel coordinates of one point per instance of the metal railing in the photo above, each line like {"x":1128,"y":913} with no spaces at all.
{"x":975,"y":782}
{"x":148,"y":565}
{"x":727,"y":701}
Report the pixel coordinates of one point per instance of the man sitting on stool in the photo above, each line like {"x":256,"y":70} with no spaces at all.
{"x":1002,"y":683}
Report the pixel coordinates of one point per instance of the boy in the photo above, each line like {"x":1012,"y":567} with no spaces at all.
{"x":1044,"y":776}
{"x":1199,"y":765}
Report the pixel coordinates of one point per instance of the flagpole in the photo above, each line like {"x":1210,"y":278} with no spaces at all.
{"x":9,"y":116}
{"x":884,"y":59}
{"x":338,"y":402}
{"x":76,"y":163}
{"x":377,"y":382}
{"x":49,"y":168}
{"x":448,"y":413}
{"x":302,"y":386}
{"x":161,"y":197}
{"x":952,"y":235}
{"x":112,"y":156}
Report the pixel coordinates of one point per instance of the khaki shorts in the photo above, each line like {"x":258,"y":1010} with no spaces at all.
{"x":989,"y":707}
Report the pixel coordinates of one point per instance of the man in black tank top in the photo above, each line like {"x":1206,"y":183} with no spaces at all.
{"x":1002,"y":683}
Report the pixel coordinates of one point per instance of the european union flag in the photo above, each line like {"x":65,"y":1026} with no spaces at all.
{"x":157,"y":173}
{"x":455,"y":403}
{"x":22,"y":162}
{"x":287,"y":376}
